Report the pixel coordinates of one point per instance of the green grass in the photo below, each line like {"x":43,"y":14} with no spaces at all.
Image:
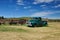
{"x":4,"y":28}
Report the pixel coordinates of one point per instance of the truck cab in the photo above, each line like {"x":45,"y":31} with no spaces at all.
{"x":36,"y":22}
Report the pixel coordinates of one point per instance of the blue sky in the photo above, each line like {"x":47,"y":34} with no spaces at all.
{"x":30,"y":8}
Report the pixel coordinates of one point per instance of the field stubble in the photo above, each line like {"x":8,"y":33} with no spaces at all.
{"x":51,"y":32}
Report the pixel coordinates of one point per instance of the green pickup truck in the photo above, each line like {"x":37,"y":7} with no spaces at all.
{"x":36,"y":22}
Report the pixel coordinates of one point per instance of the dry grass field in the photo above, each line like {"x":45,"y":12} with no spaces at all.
{"x":18,"y":32}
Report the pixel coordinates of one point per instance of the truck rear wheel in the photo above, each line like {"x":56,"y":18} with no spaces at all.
{"x":30,"y":26}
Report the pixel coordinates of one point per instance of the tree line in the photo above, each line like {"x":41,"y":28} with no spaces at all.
{"x":53,"y":20}
{"x":28,"y":18}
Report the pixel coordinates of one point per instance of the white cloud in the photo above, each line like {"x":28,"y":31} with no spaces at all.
{"x":43,"y":5}
{"x":47,"y":1}
{"x":20,"y":2}
{"x":40,"y":14}
{"x":44,"y":13}
{"x":57,"y":6}
{"x":27,"y":7}
{"x":41,"y":1}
